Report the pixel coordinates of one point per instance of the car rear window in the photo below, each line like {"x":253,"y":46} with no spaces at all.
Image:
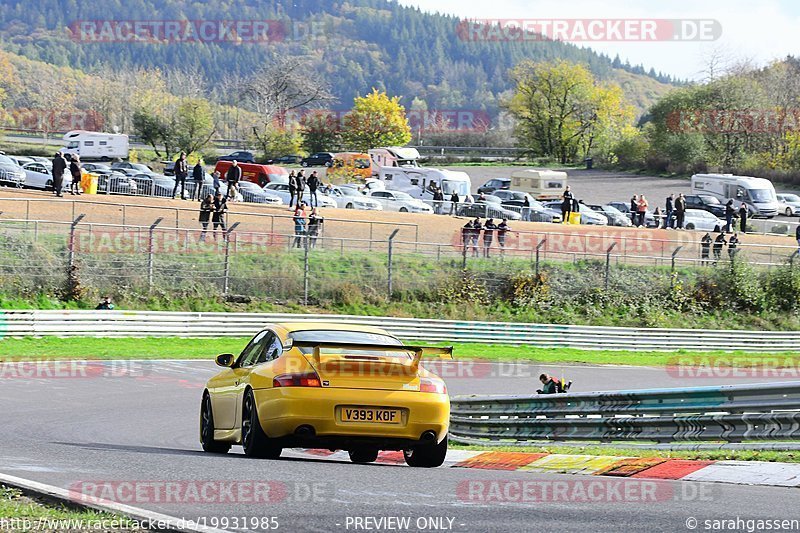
{"x":352,"y":337}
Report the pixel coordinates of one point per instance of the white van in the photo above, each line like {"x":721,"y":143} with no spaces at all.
{"x":397,"y":168}
{"x":96,"y":145}
{"x":757,"y":193}
{"x":542,"y":184}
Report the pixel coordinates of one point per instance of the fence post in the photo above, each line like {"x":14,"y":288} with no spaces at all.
{"x":305,"y":267}
{"x":539,"y":247}
{"x":225,"y":281}
{"x":608,"y":262}
{"x":672,"y":267}
{"x":71,"y":244}
{"x":150,"y":250}
{"x":391,"y":243}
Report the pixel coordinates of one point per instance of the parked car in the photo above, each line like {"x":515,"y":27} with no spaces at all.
{"x":113,"y":182}
{"x":615,"y":216}
{"x":350,"y":198}
{"x":127,"y":165}
{"x":42,"y":159}
{"x":699,"y":219}
{"x":789,"y":204}
{"x":625,"y":208}
{"x":252,"y":193}
{"x":286,"y":160}
{"x":38,"y":176}
{"x":706,"y":202}
{"x":400,"y":201}
{"x":282,"y":191}
{"x":494,"y":184}
{"x":11,"y":173}
{"x":21,"y":160}
{"x":516,"y":201}
{"x":489,"y":207}
{"x":169,"y":168}
{"x":91,"y":167}
{"x":588,"y":216}
{"x":157,"y":185}
{"x":241,"y":156}
{"x":317,"y":159}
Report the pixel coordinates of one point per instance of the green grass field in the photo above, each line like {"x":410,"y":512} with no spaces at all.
{"x":181,"y":348}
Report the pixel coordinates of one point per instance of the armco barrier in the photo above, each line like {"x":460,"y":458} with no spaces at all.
{"x":165,"y":324}
{"x":732,"y":413}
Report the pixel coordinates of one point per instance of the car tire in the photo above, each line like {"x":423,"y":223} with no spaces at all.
{"x":403,"y":210}
{"x":363,"y":455}
{"x":207,"y":429}
{"x":349,"y":206}
{"x":254,"y":441}
{"x":303,"y":163}
{"x":789,"y":212}
{"x":49,"y":186}
{"x":427,"y":456}
{"x":690,"y":226}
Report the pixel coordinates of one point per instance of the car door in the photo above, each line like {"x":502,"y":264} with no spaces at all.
{"x":256,"y":353}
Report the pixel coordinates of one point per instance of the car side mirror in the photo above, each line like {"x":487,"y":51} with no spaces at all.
{"x":225,"y":360}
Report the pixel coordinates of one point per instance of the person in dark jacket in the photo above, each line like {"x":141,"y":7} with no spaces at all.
{"x":634,"y":209}
{"x":743,"y":214}
{"x":454,"y":199}
{"x":502,"y":229}
{"x":206,"y":208}
{"x":105,"y":304}
{"x":670,"y":207}
{"x":218,"y":215}
{"x":313,"y":183}
{"x":75,"y":172}
{"x":466,"y":235}
{"x":526,"y":209}
{"x":476,"y":233}
{"x":705,"y":248}
{"x":730,"y":211}
{"x":300,"y":225}
{"x":181,"y":173}
{"x":315,"y":221}
{"x":551,"y":385}
{"x":300,"y":179}
{"x":198,"y":175}
{"x":438,"y":198}
{"x":488,"y":236}
{"x":733,"y":244}
{"x":566,"y":205}
{"x":719,"y":242}
{"x":292,"y":188}
{"x":680,"y":211}
{"x":233,"y":176}
{"x":59,"y":166}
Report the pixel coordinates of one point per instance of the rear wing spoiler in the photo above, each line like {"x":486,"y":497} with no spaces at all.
{"x":444,"y":352}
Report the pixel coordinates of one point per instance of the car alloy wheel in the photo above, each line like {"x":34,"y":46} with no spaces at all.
{"x":254,"y":441}
{"x":207,"y":429}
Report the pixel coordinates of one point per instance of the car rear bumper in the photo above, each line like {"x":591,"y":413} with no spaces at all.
{"x":289,"y":412}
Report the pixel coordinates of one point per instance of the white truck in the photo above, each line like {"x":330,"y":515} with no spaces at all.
{"x":397,"y":168}
{"x":757,"y":193}
{"x":96,"y":145}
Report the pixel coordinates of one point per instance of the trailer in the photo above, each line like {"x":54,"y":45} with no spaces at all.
{"x":96,"y":145}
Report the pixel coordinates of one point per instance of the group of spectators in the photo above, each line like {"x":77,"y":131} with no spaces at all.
{"x":213,"y":209}
{"x":298,"y":183}
{"x":718,"y":243}
{"x":471,"y":233}
{"x":198,"y":176}
{"x":306,"y":228}
{"x":60,"y":166}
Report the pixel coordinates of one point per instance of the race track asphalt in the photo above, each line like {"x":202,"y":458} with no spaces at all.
{"x":141,"y":428}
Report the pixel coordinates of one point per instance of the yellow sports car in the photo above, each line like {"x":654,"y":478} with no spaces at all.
{"x":325,"y":385}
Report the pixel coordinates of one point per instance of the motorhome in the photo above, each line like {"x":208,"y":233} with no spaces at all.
{"x":757,"y":193}
{"x":96,"y":145}
{"x":397,"y":168}
{"x":542,"y":184}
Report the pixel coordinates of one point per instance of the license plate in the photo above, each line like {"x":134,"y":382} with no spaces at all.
{"x":370,"y":415}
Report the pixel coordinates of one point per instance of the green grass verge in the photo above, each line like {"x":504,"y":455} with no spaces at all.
{"x":181,"y":348}
{"x":622,"y":451}
{"x":29,"y":512}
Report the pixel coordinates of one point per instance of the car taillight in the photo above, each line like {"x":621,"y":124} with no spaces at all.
{"x":310,"y":379}
{"x":432,"y":385}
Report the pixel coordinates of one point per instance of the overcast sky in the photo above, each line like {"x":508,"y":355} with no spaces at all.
{"x":756,"y":31}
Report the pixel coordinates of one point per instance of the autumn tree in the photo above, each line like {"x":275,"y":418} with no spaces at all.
{"x":376,"y":120}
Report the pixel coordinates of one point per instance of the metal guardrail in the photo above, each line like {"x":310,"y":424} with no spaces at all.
{"x":732,"y":413}
{"x":167,"y":324}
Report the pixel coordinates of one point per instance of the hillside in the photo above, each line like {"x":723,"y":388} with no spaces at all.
{"x":353,"y":45}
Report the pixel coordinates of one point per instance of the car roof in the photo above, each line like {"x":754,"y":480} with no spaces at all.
{"x":313,"y":325}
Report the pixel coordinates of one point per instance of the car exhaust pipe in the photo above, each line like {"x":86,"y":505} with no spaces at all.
{"x":428,"y":436}
{"x":305,"y":431}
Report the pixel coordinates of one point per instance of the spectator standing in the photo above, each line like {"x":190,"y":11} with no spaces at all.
{"x":315,"y":221}
{"x":233,"y":176}
{"x":215,"y":181}
{"x":642,"y":210}
{"x":299,"y":224}
{"x":657,"y":216}
{"x":733,"y":246}
{"x":670,"y":207}
{"x":705,"y":248}
{"x":488,"y":236}
{"x":502,"y":229}
{"x":634,"y":209}
{"x":59,"y":166}
{"x":566,"y":205}
{"x":466,"y":236}
{"x":719,"y":242}
{"x":198,"y":175}
{"x":438,"y":198}
{"x":181,"y":173}
{"x":454,"y":199}
{"x":729,"y":212}
{"x":75,"y":173}
{"x":206,"y":208}
{"x":680,"y":211}
{"x":292,"y":188}
{"x":300,"y":178}
{"x":743,"y":213}
{"x":476,"y":233}
{"x":526,"y":209}
{"x":218,"y":215}
{"x":313,"y":183}
{"x":105,"y":304}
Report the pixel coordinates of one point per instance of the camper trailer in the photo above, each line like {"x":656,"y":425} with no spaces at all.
{"x":757,"y":193}
{"x":96,"y":145}
{"x":398,"y":170}
{"x":542,"y":184}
